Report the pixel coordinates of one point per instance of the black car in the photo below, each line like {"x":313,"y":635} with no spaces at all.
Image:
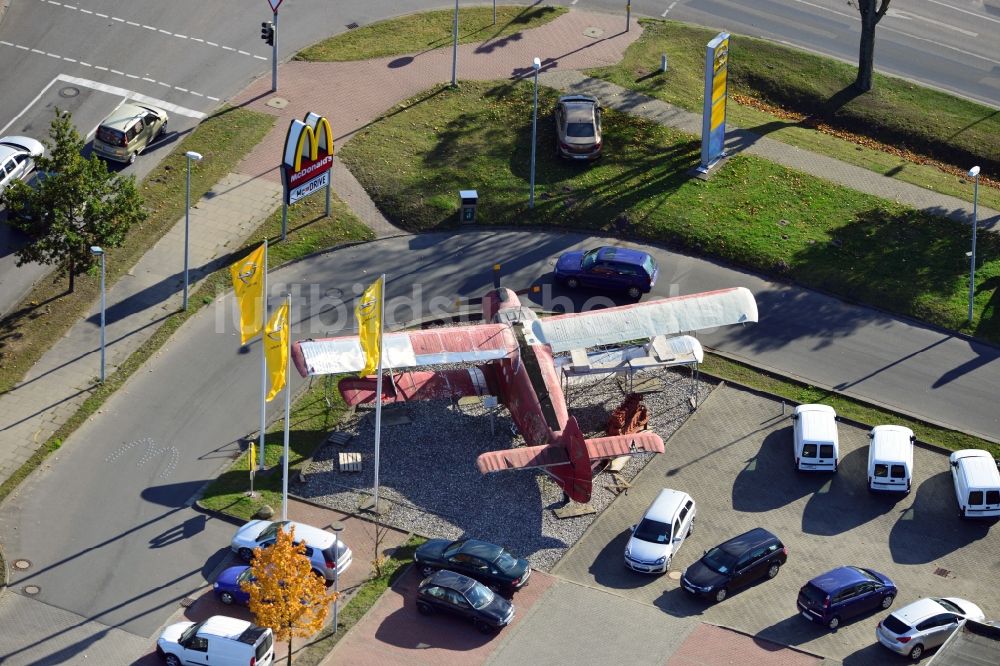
{"x":735,"y":563}
{"x":449,"y":592}
{"x":486,"y":562}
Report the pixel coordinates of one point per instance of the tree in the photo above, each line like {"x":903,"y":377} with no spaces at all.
{"x":285,"y":594}
{"x":866,"y":56}
{"x":75,"y":203}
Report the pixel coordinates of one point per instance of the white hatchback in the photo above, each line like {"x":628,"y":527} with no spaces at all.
{"x":924,"y":624}
{"x":327,"y":554}
{"x":661,"y":532}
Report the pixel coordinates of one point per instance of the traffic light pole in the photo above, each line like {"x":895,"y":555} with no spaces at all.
{"x":274,"y":55}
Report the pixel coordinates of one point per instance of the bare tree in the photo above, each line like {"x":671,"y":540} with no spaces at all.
{"x":870,"y":16}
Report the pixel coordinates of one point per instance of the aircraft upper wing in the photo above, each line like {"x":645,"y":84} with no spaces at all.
{"x":452,"y":344}
{"x":665,"y":316}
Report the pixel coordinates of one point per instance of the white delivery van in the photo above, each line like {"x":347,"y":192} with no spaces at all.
{"x":815,"y":439}
{"x":890,"y":458}
{"x":661,"y":532}
{"x":977,"y":483}
{"x":218,"y":641}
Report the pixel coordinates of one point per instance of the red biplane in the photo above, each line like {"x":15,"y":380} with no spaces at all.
{"x":516,"y":364}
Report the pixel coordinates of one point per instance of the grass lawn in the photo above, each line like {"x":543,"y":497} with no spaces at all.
{"x":49,"y":311}
{"x":896,"y":113}
{"x":752,"y":213}
{"x":427,"y":31}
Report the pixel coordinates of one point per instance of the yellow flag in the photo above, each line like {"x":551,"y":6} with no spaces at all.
{"x":253,"y":459}
{"x":248,"y":282}
{"x":368,"y":312}
{"x":276,"y":350}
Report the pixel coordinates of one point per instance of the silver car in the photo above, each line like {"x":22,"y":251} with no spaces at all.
{"x":17,"y":158}
{"x":924,"y":624}
{"x":578,"y":127}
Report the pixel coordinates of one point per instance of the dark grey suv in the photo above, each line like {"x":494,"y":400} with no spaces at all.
{"x":736,"y":563}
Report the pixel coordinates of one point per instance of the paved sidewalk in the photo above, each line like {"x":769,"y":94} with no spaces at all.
{"x":61,"y":380}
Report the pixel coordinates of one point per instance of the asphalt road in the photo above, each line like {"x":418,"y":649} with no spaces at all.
{"x":104,"y":522}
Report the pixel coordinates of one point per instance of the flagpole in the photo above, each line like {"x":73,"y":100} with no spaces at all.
{"x":378,"y":387}
{"x":263,"y":363}
{"x":288,"y":408}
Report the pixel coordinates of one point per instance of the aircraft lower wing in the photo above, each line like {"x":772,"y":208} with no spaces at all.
{"x":551,"y":455}
{"x":421,"y":385}
{"x":433,"y":346}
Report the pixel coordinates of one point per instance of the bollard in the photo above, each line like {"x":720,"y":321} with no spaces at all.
{"x":663,"y":62}
{"x":782,"y":407}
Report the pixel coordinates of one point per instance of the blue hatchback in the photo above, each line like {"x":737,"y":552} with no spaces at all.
{"x":844,"y":593}
{"x":613,"y":268}
{"x":227,"y":585}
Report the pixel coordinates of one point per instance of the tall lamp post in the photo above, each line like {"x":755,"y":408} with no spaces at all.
{"x":454,"y":48}
{"x":100,"y":253}
{"x":536,"y":65}
{"x":337,"y":528}
{"x":190,"y":155}
{"x":973,"y":173}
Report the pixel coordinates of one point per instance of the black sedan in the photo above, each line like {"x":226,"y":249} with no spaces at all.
{"x":486,"y":562}
{"x":738,"y":562}
{"x":449,"y":592}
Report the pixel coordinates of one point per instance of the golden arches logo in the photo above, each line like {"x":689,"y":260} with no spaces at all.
{"x":312,"y":139}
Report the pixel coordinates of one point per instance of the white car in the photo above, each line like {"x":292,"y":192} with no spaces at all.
{"x":219,"y":640}
{"x":17,"y":158}
{"x":924,"y":624}
{"x":325,"y":551}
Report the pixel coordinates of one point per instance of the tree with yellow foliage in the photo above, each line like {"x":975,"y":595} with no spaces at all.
{"x":285,"y":594}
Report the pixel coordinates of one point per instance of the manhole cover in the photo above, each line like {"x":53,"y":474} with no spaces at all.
{"x":593,"y":32}
{"x":277,"y":102}
{"x":352,"y":26}
{"x":674,"y":575}
{"x":69,"y":91}
{"x":22,"y":565}
{"x":32,"y":589}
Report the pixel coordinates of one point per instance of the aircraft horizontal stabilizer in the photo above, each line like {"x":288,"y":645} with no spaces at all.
{"x":624,"y":445}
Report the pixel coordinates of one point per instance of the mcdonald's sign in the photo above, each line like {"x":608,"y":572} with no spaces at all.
{"x":308,"y":156}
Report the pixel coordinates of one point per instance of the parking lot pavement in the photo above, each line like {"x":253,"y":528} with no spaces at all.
{"x":709,"y":644}
{"x":393,"y":632}
{"x":734,"y":457}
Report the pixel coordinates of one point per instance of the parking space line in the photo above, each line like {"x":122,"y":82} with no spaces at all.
{"x":30,"y":104}
{"x":130,"y":94}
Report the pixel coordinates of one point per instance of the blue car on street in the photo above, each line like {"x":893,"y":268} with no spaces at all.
{"x":227,"y":585}
{"x":610,"y":268}
{"x":843,"y":593}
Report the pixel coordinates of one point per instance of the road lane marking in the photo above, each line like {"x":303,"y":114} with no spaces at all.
{"x":895,"y":13}
{"x":30,"y":104}
{"x":667,"y":10}
{"x":131,"y":94}
{"x":979,"y":17}
{"x":152,"y":28}
{"x":105,"y":69}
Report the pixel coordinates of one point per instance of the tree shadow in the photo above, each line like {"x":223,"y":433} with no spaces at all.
{"x":742,"y":138}
{"x":931,"y":528}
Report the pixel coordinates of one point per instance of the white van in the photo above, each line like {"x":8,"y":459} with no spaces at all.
{"x":816,"y":443}
{"x":890,"y":458}
{"x":661,"y":532}
{"x":977,"y":483}
{"x":219,"y":641}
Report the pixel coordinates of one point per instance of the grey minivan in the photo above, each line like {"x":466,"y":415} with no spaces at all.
{"x":128,"y":131}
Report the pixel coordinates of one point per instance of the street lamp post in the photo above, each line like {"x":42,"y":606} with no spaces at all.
{"x":536,"y":65}
{"x":190,"y":155}
{"x":454,"y":48}
{"x":973,"y":173}
{"x":337,"y":528}
{"x":100,"y":253}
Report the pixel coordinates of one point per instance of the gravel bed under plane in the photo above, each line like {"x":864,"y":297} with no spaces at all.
{"x":429,"y":483}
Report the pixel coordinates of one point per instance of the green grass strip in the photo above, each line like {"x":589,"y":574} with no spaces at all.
{"x":426,"y":31}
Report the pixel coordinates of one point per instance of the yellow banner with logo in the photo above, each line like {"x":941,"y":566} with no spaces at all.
{"x":276,"y":350}
{"x":368,"y":312}
{"x":248,"y":283}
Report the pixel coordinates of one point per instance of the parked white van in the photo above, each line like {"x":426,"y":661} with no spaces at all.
{"x":815,"y":438}
{"x":661,"y":532}
{"x":890,"y":458}
{"x":219,"y":641}
{"x":977,"y":483}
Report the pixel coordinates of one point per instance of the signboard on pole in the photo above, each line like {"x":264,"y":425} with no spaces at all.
{"x":713,"y":123}
{"x":274,"y":5}
{"x":307,"y":158}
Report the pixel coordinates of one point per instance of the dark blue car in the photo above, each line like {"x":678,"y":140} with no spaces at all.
{"x":227,"y":585}
{"x":843,"y":593}
{"x":620,"y":269}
